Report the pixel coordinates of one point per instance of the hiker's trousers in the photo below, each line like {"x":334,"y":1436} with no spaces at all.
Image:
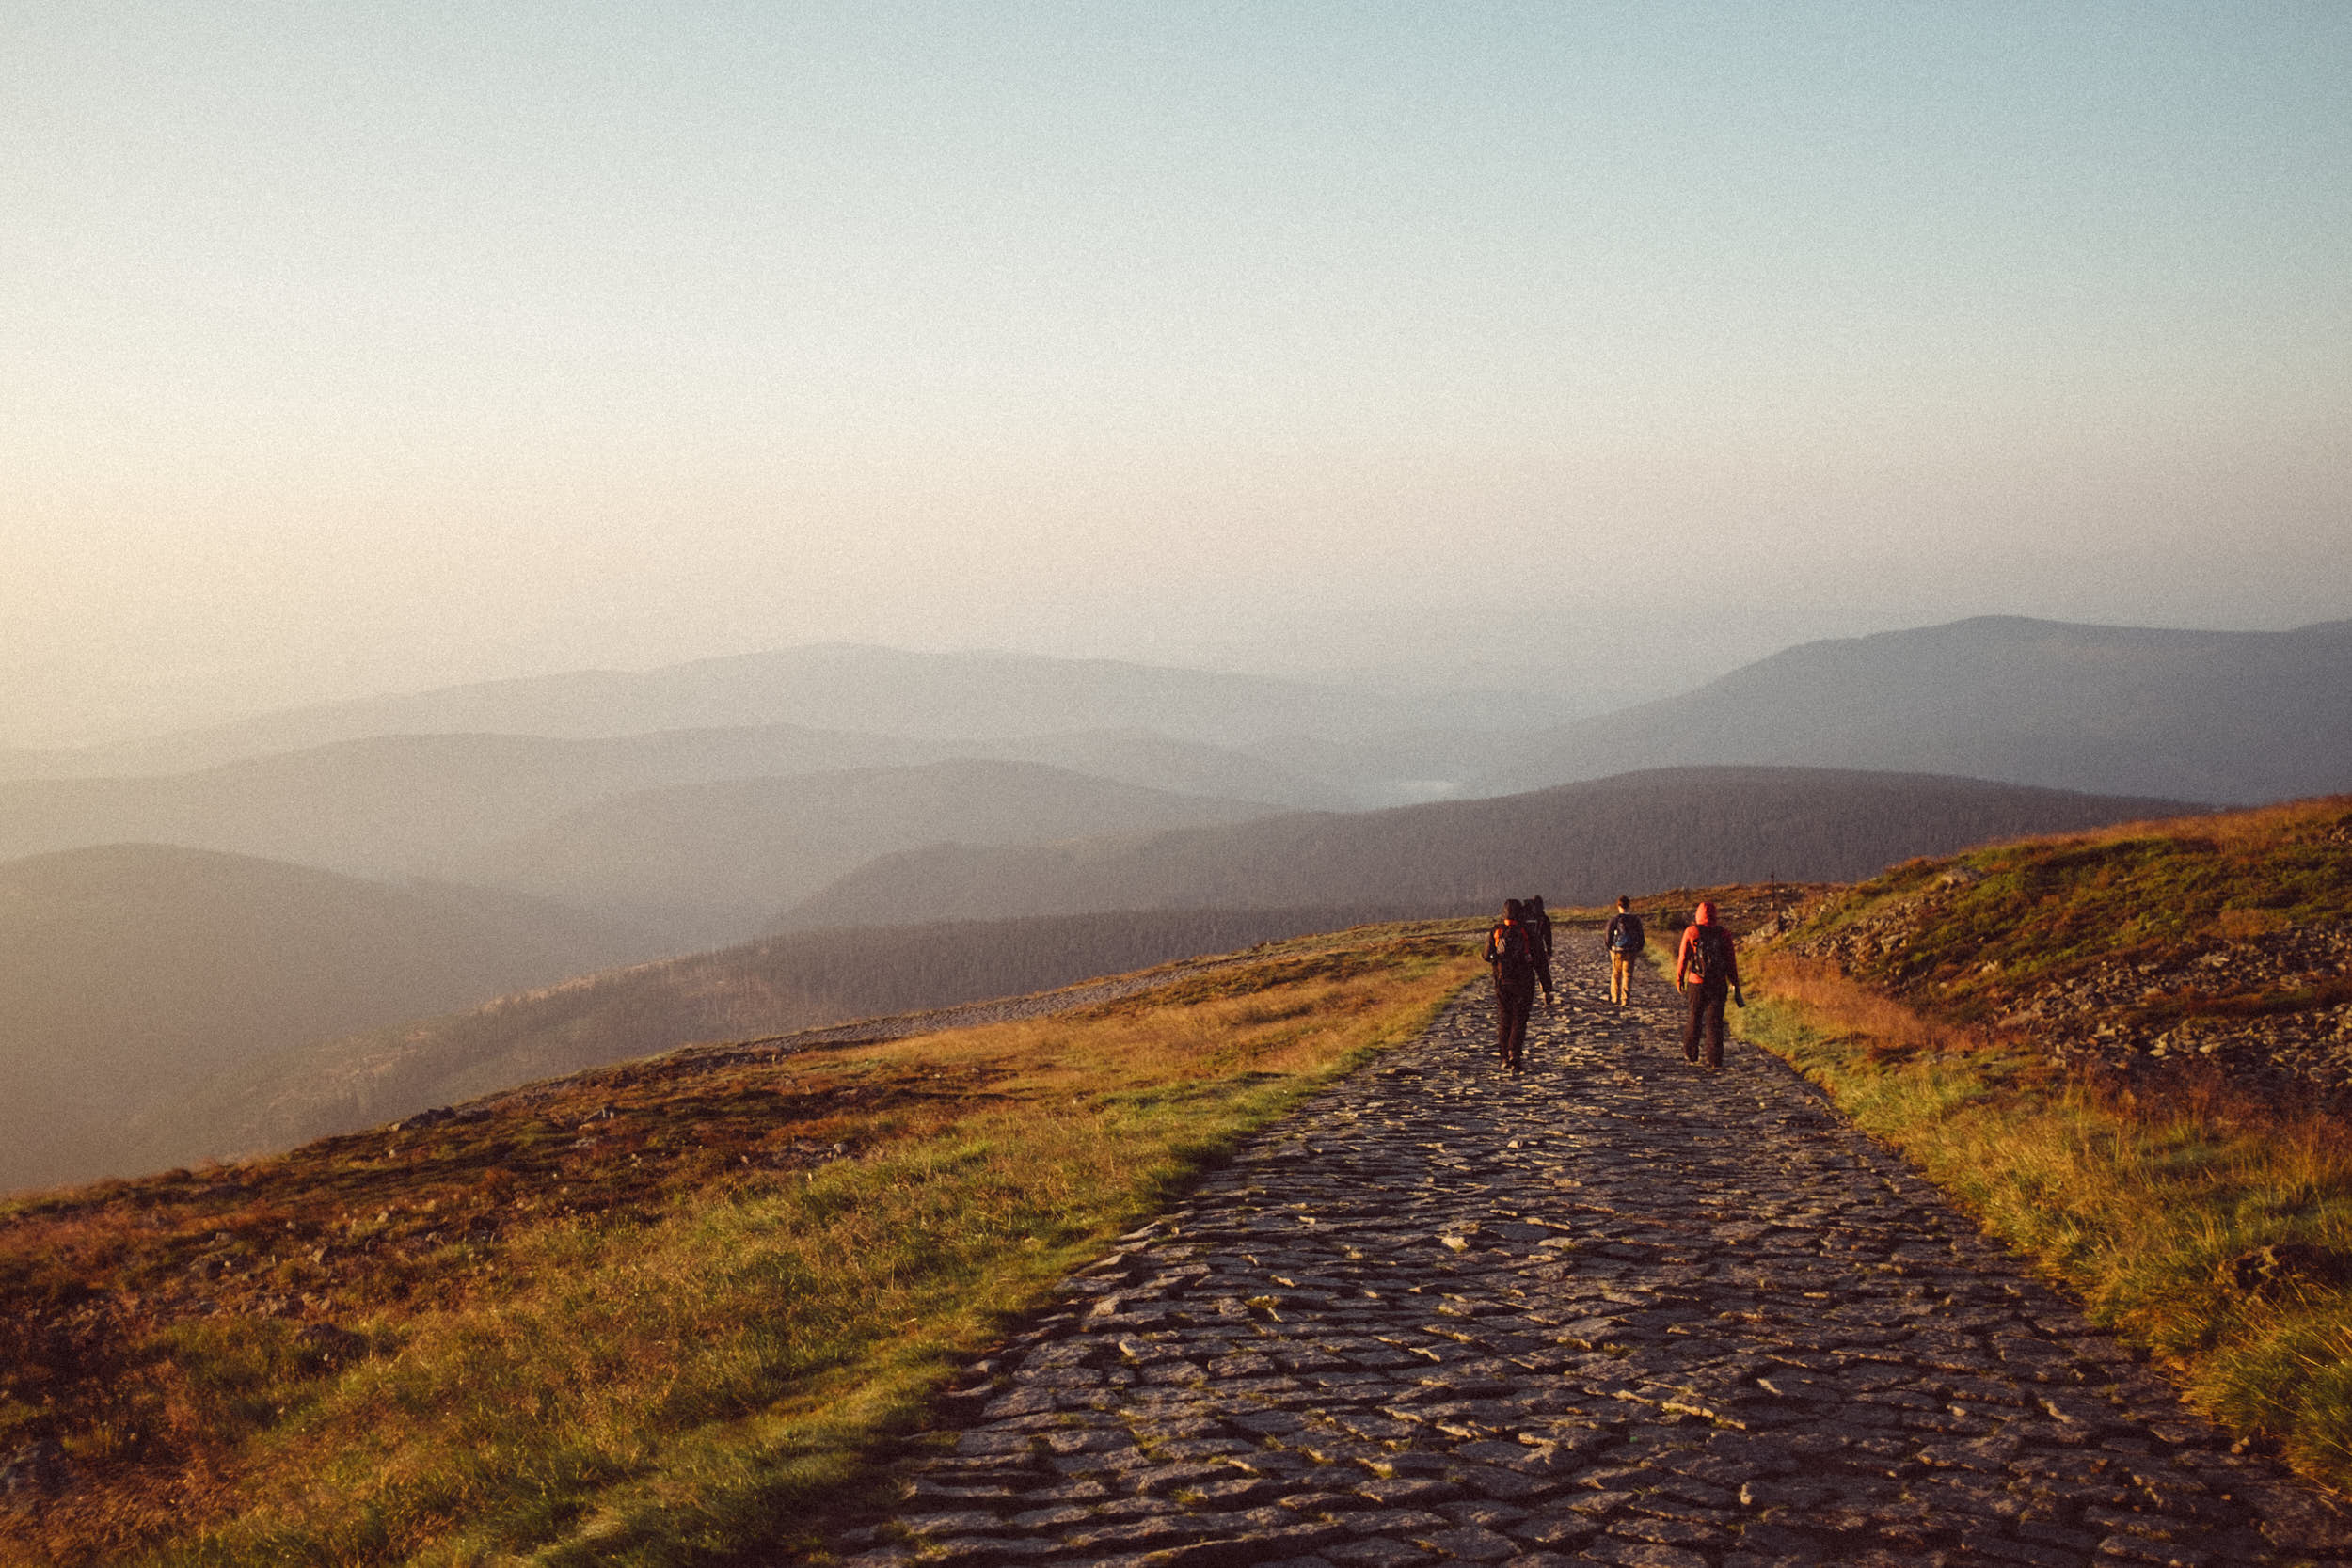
{"x":1620,"y":975}
{"x":1514,"y":1000}
{"x":1707,"y":999}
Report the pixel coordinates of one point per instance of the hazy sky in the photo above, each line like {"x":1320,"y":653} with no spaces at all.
{"x":347,"y":347}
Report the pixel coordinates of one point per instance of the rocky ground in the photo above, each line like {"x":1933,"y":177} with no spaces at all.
{"x":2122,"y":1010}
{"x":2272,"y":1011}
{"x":1613,"y":1311}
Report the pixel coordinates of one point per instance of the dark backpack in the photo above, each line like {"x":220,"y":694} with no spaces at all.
{"x":1627,"y":937}
{"x":1710,"y":953}
{"x":1508,"y":948}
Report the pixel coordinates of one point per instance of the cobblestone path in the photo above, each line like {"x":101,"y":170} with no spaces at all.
{"x":1613,"y":1311}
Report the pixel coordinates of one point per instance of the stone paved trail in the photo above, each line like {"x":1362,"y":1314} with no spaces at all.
{"x":1613,"y":1312}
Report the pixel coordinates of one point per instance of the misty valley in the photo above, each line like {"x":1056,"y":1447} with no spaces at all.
{"x":1176,"y":787}
{"x":670,"y":1023}
{"x":222,"y":942}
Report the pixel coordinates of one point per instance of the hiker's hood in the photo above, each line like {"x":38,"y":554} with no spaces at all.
{"x":1703,"y":915}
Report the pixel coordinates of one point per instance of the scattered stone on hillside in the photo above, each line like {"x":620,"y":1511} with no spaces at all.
{"x":2267,"y":1011}
{"x":38,"y":1468}
{"x":335,"y":1345}
{"x":1613,"y":1311}
{"x":2268,"y":1270}
{"x":2087,"y":1016}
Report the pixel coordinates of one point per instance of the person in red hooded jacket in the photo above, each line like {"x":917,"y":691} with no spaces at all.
{"x":1706,"y":970}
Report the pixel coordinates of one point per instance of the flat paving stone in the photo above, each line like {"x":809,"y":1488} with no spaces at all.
{"x":1613,"y":1309}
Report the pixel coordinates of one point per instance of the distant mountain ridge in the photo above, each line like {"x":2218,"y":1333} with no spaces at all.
{"x":707,"y":862}
{"x":2198,"y":715}
{"x":840,"y":687}
{"x":2226,"y":717}
{"x":471,"y":808}
{"x":1573,"y":842}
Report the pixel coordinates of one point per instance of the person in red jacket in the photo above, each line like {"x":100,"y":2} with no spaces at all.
{"x":1511,"y":949}
{"x":1706,"y":970}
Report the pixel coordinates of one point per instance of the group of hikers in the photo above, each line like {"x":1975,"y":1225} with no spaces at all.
{"x":1706,"y":972}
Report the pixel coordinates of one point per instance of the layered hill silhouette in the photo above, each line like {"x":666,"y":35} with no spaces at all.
{"x":869,"y":690}
{"x":2219,"y":716}
{"x":711,"y":860}
{"x":401,"y":804}
{"x":767,"y":987}
{"x":1581,"y":843}
{"x":2235,"y":717}
{"x":670,"y":833}
{"x":131,"y":973}
{"x":164,"y":1005}
{"x":844,"y":786}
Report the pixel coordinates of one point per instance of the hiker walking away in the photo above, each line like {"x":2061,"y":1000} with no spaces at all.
{"x":1539,"y":933}
{"x":1706,"y":970}
{"x":1511,"y":950}
{"x":1624,"y":939}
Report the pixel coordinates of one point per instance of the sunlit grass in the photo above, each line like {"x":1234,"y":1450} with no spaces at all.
{"x":1997,"y":922}
{"x":661,"y":1347}
{"x":2133,"y":1203}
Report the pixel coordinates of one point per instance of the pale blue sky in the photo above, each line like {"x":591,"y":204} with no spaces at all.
{"x":347,"y":348}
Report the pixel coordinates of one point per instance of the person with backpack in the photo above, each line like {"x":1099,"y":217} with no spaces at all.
{"x":1624,"y":939}
{"x":1706,"y":970}
{"x":1539,"y":932}
{"x":1511,"y":951}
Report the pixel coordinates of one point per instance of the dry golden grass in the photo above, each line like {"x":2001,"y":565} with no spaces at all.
{"x":1890,"y":1028}
{"x":664,"y":1336}
{"x":2132,"y":1199}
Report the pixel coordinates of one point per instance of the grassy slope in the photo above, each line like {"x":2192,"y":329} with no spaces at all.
{"x":667,"y":1334}
{"x":1976,"y":938}
{"x":767,"y":988}
{"x":2136,"y":1195}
